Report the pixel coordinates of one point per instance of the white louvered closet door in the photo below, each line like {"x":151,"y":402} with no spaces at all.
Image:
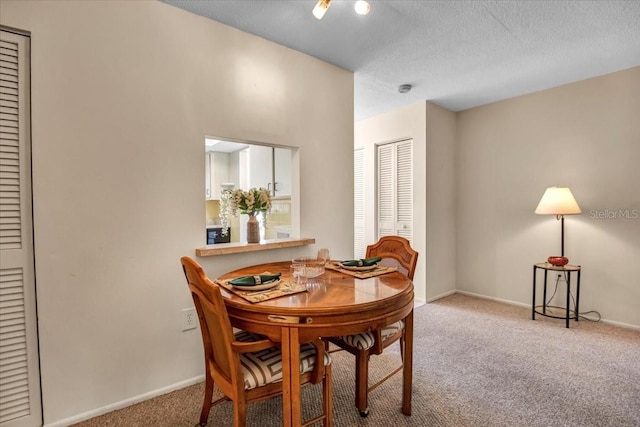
{"x":20,"y":404}
{"x":359,"y":247}
{"x":395,"y":189}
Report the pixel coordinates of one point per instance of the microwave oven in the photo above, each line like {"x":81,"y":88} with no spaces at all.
{"x":214,"y":235}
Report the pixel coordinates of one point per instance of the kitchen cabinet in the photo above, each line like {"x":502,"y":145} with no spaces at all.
{"x":270,"y":168}
{"x":282,"y":172}
{"x":216,"y":173}
{"x":260,"y":167}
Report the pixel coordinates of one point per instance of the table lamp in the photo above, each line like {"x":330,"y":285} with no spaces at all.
{"x":558,"y":201}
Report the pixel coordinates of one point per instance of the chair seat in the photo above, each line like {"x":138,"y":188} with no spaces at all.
{"x":365,"y":340}
{"x":265,"y":366}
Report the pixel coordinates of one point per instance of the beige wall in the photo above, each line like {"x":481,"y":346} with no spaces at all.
{"x":585,"y":136}
{"x":440,"y":192}
{"x":480,"y":173}
{"x":123,"y":94}
{"x":432,"y":129}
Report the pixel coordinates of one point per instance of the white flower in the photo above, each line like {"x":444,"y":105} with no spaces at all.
{"x":250,"y":202}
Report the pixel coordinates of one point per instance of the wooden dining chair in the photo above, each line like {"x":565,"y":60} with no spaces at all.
{"x":247,"y":367}
{"x":397,"y":252}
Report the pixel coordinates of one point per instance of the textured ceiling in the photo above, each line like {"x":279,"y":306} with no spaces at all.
{"x":457,"y":54}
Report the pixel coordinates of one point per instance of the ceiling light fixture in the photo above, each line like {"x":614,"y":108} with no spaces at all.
{"x":404,"y":88}
{"x":321,"y":8}
{"x":362,"y":7}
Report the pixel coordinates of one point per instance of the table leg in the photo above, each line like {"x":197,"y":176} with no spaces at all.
{"x":568,"y":275}
{"x":291,"y":404}
{"x":286,"y":378}
{"x":296,"y":402}
{"x":544,"y":294}
{"x":533,"y":301}
{"x":407,"y":371}
{"x":578,"y":297}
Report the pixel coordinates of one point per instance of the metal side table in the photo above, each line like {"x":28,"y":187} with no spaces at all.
{"x":567,"y":270}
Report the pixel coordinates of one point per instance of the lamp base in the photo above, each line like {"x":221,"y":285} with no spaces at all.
{"x":558,"y":261}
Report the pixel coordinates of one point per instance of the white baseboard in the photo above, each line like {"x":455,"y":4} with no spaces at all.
{"x":609,"y":322}
{"x":124,"y":403}
{"x":614,"y":323}
{"x":506,"y":301}
{"x":446,"y":294}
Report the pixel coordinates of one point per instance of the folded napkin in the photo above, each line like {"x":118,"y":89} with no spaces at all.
{"x":366,"y":262}
{"x":259,"y":279}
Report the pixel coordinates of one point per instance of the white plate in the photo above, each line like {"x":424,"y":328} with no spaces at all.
{"x":363,"y":268}
{"x":261,"y":287}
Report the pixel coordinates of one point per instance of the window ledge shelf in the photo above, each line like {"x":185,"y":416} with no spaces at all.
{"x":237,"y":248}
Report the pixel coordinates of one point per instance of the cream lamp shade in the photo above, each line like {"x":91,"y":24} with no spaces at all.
{"x":558,"y":201}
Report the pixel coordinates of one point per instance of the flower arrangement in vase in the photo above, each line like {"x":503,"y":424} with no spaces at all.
{"x":250,"y":202}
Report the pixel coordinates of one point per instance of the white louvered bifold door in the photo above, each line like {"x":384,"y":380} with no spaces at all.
{"x":359,"y":247}
{"x":386,"y":193}
{"x":395,"y":189}
{"x":19,"y":373}
{"x":404,"y":189}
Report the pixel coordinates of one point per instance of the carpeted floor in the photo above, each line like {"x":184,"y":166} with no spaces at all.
{"x":476,"y":363}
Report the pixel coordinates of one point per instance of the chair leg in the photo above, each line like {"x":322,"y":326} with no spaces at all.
{"x":327,"y":397}
{"x":362,"y":383}
{"x":206,"y":404}
{"x":239,"y":412}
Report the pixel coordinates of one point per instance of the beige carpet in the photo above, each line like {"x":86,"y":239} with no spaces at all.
{"x":476,"y":363}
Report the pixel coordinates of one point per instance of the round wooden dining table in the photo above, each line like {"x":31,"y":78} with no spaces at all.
{"x":334,"y":304}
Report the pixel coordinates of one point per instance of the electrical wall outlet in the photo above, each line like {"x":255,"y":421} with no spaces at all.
{"x":189,"y":319}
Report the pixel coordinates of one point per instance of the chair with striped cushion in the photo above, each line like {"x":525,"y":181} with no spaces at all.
{"x":247,"y":367}
{"x":397,"y":252}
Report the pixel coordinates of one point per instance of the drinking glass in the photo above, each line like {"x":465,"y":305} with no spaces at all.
{"x":296,"y":274}
{"x":323,"y":256}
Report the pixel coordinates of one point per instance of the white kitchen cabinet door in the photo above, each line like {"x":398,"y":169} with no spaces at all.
{"x":207,"y":176}
{"x":282,"y":172}
{"x":261,"y":167}
{"x":216,"y":173}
